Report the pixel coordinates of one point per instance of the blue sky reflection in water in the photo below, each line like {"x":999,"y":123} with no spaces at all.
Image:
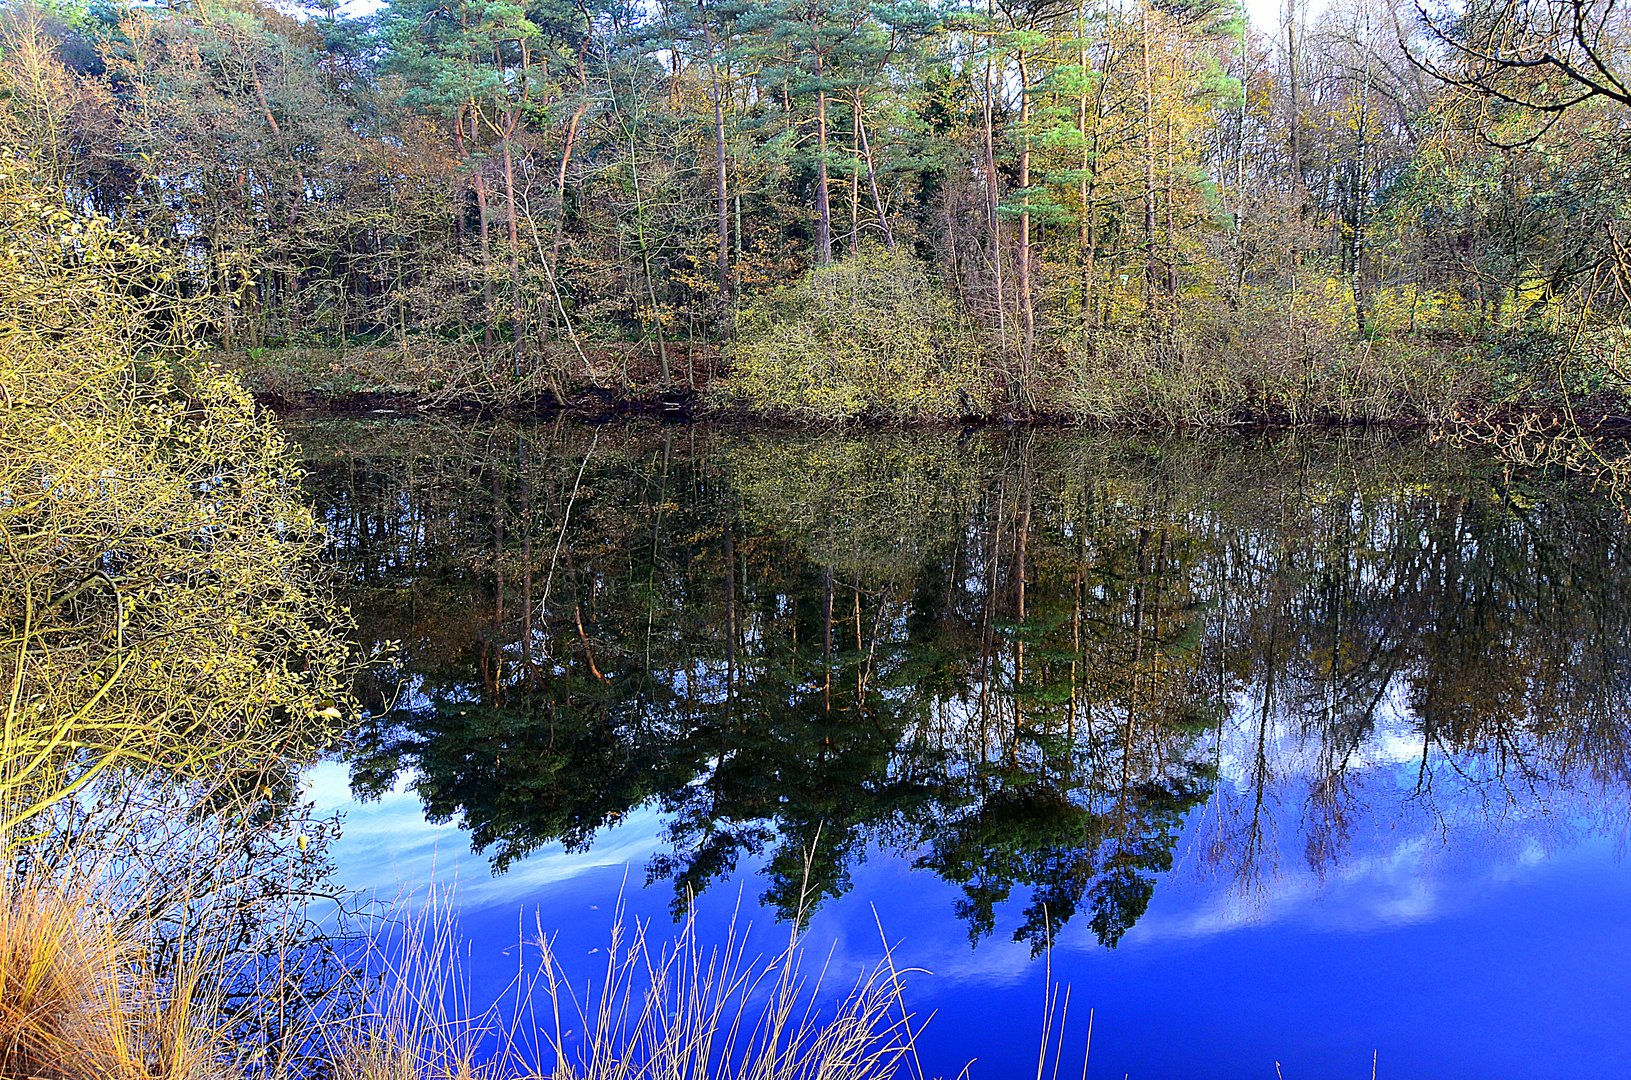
{"x":1328,"y":737}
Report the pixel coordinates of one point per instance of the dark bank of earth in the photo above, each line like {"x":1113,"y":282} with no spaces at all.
{"x":357,"y":382}
{"x":593,"y":404}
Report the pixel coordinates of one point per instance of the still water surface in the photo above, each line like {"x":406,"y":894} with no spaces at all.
{"x":1291,"y":751}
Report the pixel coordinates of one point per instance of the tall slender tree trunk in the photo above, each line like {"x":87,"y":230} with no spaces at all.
{"x":516,"y":317}
{"x":567,"y":146}
{"x":1027,"y":311}
{"x":1169,"y":269}
{"x":1294,"y":96}
{"x":479,"y":183}
{"x":721,"y":193}
{"x":872,"y":183}
{"x":993,"y":193}
{"x":1240,"y":176}
{"x":823,"y":194}
{"x":716,"y":96}
{"x":1147,"y":147}
{"x":855,"y":171}
{"x":1361,"y":181}
{"x":1084,"y":184}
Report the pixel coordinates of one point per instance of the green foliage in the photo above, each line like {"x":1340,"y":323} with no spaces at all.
{"x":160,"y":603}
{"x":1133,"y":208}
{"x":869,"y":335}
{"x":1277,"y":358}
{"x":862,"y":508}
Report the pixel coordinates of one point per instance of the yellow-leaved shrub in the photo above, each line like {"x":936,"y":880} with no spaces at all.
{"x":160,"y":600}
{"x":870,"y":335}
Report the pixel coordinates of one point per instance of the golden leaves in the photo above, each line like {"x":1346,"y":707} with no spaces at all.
{"x":159,"y":588}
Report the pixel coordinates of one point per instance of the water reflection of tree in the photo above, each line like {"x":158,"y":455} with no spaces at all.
{"x":1025,"y":661}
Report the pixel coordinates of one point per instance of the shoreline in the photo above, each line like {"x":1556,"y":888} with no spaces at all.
{"x":598,"y":405}
{"x":1539,"y":426}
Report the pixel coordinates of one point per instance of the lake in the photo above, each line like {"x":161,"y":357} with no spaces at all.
{"x":1287,"y":755}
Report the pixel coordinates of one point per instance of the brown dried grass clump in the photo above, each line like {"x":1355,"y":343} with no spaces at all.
{"x":78,"y":1000}
{"x":54,"y":997}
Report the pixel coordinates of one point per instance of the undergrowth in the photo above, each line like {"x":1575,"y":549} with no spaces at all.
{"x":868,"y":336}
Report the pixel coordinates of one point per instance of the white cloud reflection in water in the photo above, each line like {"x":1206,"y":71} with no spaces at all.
{"x":1451,"y":950}
{"x":1417,"y":872}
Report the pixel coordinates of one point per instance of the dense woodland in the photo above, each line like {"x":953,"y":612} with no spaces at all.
{"x":1107,"y":210}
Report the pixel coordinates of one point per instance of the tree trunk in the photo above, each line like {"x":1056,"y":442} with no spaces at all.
{"x":993,"y":196}
{"x":1148,"y":148}
{"x":479,"y":183}
{"x":872,"y":183}
{"x":1240,"y":176}
{"x":560,"y":184}
{"x":1027,"y":312}
{"x":855,"y":171}
{"x":1361,"y":183}
{"x":716,"y":95}
{"x":516,"y":326}
{"x":1169,"y":269}
{"x":1084,"y":191}
{"x":823,"y":200}
{"x":1294,"y":137}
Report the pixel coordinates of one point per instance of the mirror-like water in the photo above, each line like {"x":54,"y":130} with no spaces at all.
{"x":1281,"y":751}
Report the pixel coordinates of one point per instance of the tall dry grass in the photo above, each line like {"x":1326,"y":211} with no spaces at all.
{"x":159,"y":930}
{"x":672,"y":1007}
{"x":417,"y":1021}
{"x":81,"y":1000}
{"x":664,"y":1006}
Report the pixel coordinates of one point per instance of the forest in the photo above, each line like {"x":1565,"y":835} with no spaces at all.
{"x":1152,"y":212}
